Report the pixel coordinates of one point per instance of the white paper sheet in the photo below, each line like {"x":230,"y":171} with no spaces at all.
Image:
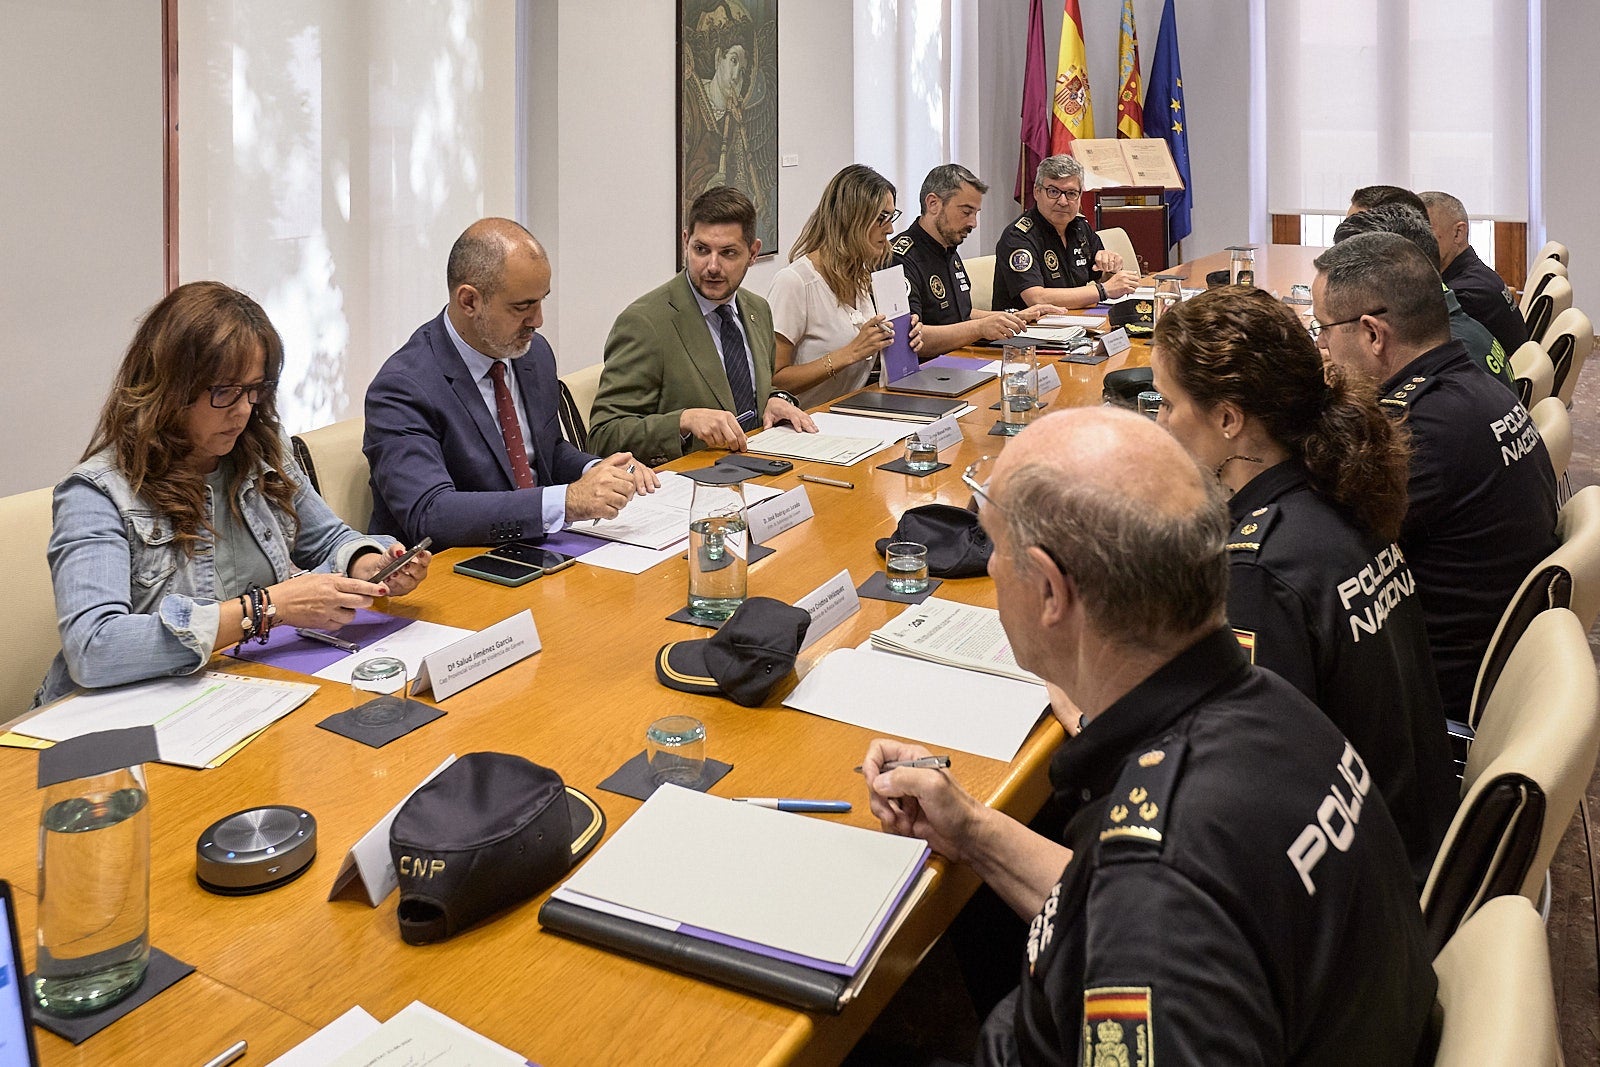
{"x":411,"y":644}
{"x":961,"y":635}
{"x":890,"y":295}
{"x":418,"y":1035}
{"x":197,"y":717}
{"x":656,"y":523}
{"x":938,"y":706}
{"x":338,"y":1037}
{"x":814,"y":447}
{"x":1088,"y":322}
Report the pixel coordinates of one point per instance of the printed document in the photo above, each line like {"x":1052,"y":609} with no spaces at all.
{"x":655,"y":521}
{"x":960,"y":635}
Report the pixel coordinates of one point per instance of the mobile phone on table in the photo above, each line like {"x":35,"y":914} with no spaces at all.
{"x":400,"y":561}
{"x":759,"y":464}
{"x":498,"y":569}
{"x":534,"y":555}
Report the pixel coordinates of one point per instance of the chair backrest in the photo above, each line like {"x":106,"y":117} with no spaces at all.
{"x":1496,"y":992}
{"x":1530,"y":762}
{"x":1568,"y":341}
{"x":577,"y":401}
{"x":1556,"y":298}
{"x":1539,"y":276}
{"x":980,"y":273}
{"x":1116,"y":240}
{"x":1569,"y":577}
{"x":1555,"y":250}
{"x":1555,"y":428}
{"x":1533,"y":373}
{"x":331,"y":455}
{"x":28,"y":630}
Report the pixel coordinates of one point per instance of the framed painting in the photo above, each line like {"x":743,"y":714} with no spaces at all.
{"x":728,"y":106}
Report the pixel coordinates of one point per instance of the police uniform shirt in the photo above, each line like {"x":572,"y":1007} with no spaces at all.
{"x":1237,"y":893}
{"x":1481,"y":511}
{"x":1031,"y":253}
{"x":1485,"y":351}
{"x":1336,"y":614}
{"x":1484,"y":296}
{"x":941,"y":295}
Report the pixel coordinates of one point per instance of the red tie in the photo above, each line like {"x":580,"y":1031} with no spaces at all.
{"x":516,"y":451}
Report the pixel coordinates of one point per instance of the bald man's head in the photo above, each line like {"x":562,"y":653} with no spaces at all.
{"x":1124,"y":511}
{"x":479,"y":256}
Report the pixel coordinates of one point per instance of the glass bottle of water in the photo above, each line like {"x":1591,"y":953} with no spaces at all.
{"x":94,"y":892}
{"x":718,"y":551}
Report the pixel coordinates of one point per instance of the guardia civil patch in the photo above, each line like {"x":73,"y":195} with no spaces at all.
{"x":1117,"y":1027}
{"x":1021,"y":260}
{"x":1247,"y":641}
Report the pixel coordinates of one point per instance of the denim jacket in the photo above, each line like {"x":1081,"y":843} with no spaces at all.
{"x":131,"y":604}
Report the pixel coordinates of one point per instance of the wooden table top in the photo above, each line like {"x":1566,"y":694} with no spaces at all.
{"x":274,"y":967}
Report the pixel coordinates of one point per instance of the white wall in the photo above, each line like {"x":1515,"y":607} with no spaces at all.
{"x":604,"y":190}
{"x":1571,"y":155}
{"x":80,"y":229}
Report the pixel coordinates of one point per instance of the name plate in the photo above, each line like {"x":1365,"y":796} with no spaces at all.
{"x":477,"y":656}
{"x":769,"y":518}
{"x":828,"y":605}
{"x":942,"y":432}
{"x":368,"y":863}
{"x":1049,"y":379}
{"x":1116,"y":341}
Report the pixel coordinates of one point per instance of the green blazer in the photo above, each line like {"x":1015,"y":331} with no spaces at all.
{"x":659,"y":360}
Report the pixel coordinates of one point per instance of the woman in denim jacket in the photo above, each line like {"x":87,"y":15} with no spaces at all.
{"x":187,"y":516}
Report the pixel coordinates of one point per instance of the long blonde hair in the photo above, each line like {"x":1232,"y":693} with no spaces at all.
{"x":837,"y":232}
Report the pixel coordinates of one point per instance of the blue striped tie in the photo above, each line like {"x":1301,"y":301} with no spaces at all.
{"x":737,"y":364}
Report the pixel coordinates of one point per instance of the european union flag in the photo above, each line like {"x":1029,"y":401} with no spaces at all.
{"x":1166,"y":117}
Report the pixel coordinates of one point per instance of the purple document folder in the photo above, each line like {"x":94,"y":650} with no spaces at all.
{"x":291,"y":652}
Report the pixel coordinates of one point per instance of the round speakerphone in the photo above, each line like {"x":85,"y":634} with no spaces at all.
{"x":255,"y":850}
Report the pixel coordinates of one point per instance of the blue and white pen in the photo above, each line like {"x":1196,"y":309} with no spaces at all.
{"x":825,"y":807}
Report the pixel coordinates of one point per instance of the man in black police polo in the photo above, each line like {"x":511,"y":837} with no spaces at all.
{"x":1481,"y":506}
{"x":941,"y":294}
{"x":1051,"y":255}
{"x":1230,"y":887}
{"x":1482,"y":292}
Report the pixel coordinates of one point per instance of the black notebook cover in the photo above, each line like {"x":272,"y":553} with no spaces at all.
{"x":898,"y":406}
{"x":749,"y":972}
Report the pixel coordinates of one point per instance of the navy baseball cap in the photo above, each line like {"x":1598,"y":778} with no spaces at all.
{"x":958,"y":547}
{"x":750,"y":653}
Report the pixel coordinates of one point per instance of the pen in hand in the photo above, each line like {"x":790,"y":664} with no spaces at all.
{"x":937,"y":763}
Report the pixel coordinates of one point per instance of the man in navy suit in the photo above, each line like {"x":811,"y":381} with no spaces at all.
{"x":461,"y":434}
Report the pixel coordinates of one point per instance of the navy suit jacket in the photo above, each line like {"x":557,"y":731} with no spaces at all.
{"x":438,"y":460}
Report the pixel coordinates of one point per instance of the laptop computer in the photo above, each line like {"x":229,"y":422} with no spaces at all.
{"x":16,"y":1020}
{"x":902,"y":373}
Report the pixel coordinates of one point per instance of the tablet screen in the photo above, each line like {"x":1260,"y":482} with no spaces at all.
{"x":15,"y":1046}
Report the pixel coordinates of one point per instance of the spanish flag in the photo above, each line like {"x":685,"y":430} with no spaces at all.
{"x":1130,"y":113}
{"x":1071,"y":116}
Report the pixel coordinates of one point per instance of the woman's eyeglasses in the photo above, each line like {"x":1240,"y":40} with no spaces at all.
{"x":225,"y":396}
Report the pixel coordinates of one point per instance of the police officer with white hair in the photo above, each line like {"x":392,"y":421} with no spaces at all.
{"x":1230,"y":887}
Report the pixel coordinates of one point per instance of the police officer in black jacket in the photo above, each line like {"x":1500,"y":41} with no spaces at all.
{"x":1481,"y":498}
{"x":1318,"y":592}
{"x":1483,"y":294}
{"x":1051,"y":255}
{"x":1231,"y":888}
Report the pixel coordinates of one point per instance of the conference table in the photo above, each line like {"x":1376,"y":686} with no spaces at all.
{"x":273,"y":968}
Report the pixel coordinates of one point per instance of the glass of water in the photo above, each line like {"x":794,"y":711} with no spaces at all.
{"x":378,"y":686}
{"x":1169,"y":293}
{"x":905,"y":566}
{"x":1242,"y":264}
{"x":921,"y":453}
{"x":718,"y":551}
{"x":676,"y":749}
{"x":1019,"y":388}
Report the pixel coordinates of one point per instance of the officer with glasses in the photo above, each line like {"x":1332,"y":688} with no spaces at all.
{"x":1051,"y":255}
{"x":188,"y":527}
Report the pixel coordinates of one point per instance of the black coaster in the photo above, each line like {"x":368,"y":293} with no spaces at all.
{"x":1092,"y":359}
{"x":999,"y":430}
{"x":344,"y":724}
{"x":632,"y":779}
{"x":756,"y":553}
{"x":682,"y":615}
{"x":1038,"y":406}
{"x":877,"y":588}
{"x":163,"y":972}
{"x":898,"y":466}
{"x":726,"y":474}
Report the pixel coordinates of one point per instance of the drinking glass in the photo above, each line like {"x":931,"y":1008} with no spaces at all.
{"x":676,"y":749}
{"x":1150,"y":403}
{"x":378,"y":686}
{"x":1019,"y":388}
{"x":1242,"y":264}
{"x":718,"y":551}
{"x":905,"y":566}
{"x":921,"y":455}
{"x":1169,"y":293}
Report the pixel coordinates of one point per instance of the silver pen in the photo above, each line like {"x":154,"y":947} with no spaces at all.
{"x":231,"y":1053}
{"x":937,"y":763}
{"x":327,"y":639}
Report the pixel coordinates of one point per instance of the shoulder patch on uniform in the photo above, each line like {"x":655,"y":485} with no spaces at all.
{"x":1020,"y":260}
{"x":1137,"y":817}
{"x":902,"y":244}
{"x":1252,"y":530}
{"x":1024,"y":224}
{"x":1117,"y":1025}
{"x":1406,"y":390}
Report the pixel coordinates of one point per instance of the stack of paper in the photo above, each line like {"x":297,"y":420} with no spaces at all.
{"x":415,"y":1035}
{"x":658,"y":520}
{"x":960,"y":635}
{"x":780,"y":905}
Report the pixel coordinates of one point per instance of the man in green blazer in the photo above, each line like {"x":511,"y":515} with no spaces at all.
{"x":689,"y":365}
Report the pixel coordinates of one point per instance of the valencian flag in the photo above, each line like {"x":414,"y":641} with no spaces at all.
{"x":1071,"y":116}
{"x":1130,"y":113}
{"x":1035,"y":109}
{"x":1166,"y":117}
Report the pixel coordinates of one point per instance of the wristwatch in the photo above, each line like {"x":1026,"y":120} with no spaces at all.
{"x":784,"y":394}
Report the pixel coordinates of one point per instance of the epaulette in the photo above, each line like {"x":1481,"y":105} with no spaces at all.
{"x":1024,"y":224}
{"x":1251,"y":532}
{"x":902,"y":244}
{"x":1137,"y":819}
{"x":1404,"y":393}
